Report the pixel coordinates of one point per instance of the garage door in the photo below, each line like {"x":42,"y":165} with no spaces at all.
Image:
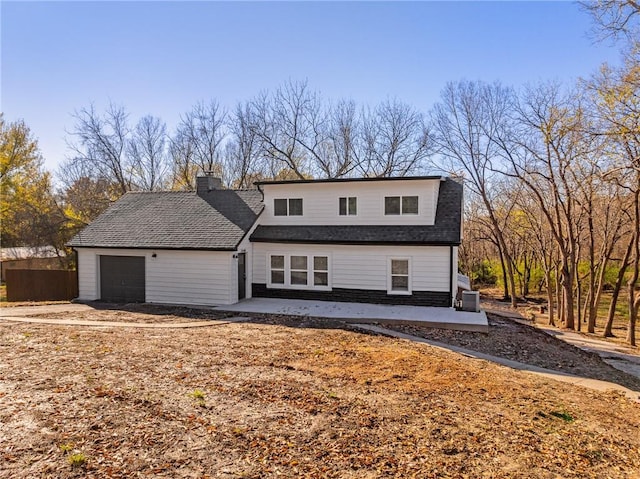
{"x":122,"y":279}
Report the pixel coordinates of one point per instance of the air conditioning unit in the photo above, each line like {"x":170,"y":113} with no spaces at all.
{"x":471,"y":301}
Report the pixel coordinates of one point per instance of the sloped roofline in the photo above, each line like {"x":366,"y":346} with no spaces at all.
{"x":348,"y":180}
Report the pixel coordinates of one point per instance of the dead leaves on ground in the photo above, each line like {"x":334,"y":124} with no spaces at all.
{"x":275,"y":401}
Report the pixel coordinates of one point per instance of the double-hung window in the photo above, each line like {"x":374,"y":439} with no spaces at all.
{"x":298,"y":271}
{"x":321,"y":271}
{"x":348,"y":206}
{"x":277,"y":269}
{"x":287,"y":207}
{"x":400,"y":205}
{"x":399,"y":280}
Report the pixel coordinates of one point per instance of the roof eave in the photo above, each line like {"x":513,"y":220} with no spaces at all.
{"x":347,"y":180}
{"x":168,"y":248}
{"x":357,"y":242}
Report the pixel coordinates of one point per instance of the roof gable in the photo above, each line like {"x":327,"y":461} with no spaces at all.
{"x":217,"y":220}
{"x":446,"y":229}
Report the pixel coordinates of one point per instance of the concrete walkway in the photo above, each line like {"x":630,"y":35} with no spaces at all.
{"x":444,"y":318}
{"x":20,"y":314}
{"x":22,"y":311}
{"x":124,"y":324}
{"x":547,"y":373}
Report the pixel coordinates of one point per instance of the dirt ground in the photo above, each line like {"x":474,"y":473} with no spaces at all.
{"x":491,"y":299}
{"x":286,"y":398}
{"x":526,"y":344}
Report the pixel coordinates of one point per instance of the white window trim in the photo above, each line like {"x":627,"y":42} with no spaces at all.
{"x":284,"y":270}
{"x":409,"y":271}
{"x":347,"y":206}
{"x":384,"y":209}
{"x":312,"y":271}
{"x":288,"y":202}
{"x":296,"y":270}
{"x":287,"y":272}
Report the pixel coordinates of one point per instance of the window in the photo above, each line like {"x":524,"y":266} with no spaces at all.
{"x":405,"y":205}
{"x":295,"y":207}
{"x":277,"y":269}
{"x":298,"y":271}
{"x":392,"y":205}
{"x":399,"y":276}
{"x":280,"y":207}
{"x":348,"y":206}
{"x":287,"y":207}
{"x":409,"y":205}
{"x":320,"y":271}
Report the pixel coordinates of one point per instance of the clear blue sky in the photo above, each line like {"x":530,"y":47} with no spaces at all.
{"x":161,"y":58}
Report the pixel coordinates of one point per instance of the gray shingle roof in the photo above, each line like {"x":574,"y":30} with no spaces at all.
{"x":445,"y":231}
{"x":217,"y":220}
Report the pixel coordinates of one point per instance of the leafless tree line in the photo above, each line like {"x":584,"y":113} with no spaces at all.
{"x":554,"y":182}
{"x":290,"y":133}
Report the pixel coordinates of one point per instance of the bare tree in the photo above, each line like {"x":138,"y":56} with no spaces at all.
{"x":548,"y":146}
{"x":467,"y":121}
{"x":614,"y":18}
{"x":396,"y":140}
{"x":183,"y":165}
{"x":101,"y":143}
{"x":147,"y":149}
{"x":106,"y":148}
{"x":343,"y":150}
{"x":199,"y":142}
{"x":286,"y":123}
{"x":618,"y":104}
{"x":243,"y":163}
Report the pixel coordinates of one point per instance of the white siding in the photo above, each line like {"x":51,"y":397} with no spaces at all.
{"x":320,"y":202}
{"x":246,"y":247}
{"x":366,"y":267}
{"x":88,"y":288}
{"x":180,"y":277}
{"x":454,"y":279}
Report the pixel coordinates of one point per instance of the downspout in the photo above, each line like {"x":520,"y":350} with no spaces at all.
{"x":451,"y":276}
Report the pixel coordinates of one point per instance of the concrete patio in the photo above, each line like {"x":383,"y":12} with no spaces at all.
{"x":444,"y":318}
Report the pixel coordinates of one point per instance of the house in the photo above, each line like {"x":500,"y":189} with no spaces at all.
{"x":380,"y":240}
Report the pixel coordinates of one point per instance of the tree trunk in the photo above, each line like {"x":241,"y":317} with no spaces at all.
{"x":504,"y":274}
{"x":595,"y":302}
{"x":616,"y":290}
{"x":567,"y":286}
{"x":560,"y":296}
{"x":547,"y":276}
{"x":586,"y":308}
{"x":634,"y":304}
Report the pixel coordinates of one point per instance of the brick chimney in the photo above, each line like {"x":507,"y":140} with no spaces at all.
{"x":206,"y":183}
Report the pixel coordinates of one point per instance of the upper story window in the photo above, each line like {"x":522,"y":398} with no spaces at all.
{"x":400,"y":205}
{"x":348,"y":206}
{"x":287,"y":207}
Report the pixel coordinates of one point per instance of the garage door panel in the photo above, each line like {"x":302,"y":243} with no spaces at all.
{"x":122,"y":279}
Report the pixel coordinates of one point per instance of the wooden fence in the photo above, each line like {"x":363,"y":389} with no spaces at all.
{"x":41,"y":285}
